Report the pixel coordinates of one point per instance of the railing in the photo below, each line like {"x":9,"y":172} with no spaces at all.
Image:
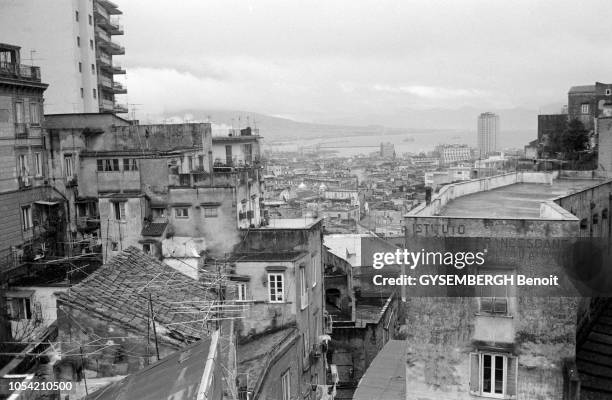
{"x":118,"y":87}
{"x":589,"y":316}
{"x":120,"y":108}
{"x":20,"y":71}
{"x":104,"y":59}
{"x":105,"y":82}
{"x":107,"y":105}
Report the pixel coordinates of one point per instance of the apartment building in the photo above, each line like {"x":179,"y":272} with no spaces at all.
{"x":73,"y":43}
{"x":488,"y":133}
{"x":452,"y":153}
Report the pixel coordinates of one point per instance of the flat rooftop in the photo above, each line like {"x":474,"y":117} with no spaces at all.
{"x":520,"y":200}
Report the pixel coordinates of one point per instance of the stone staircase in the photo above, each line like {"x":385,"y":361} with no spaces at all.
{"x":594,"y":358}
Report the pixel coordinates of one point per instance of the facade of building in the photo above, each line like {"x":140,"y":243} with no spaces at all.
{"x":488,"y":132}
{"x":33,"y":212}
{"x":279,"y":272}
{"x":453,"y":153}
{"x":586,"y":102}
{"x":73,"y":44}
{"x":387,"y":150}
{"x":504,"y":330}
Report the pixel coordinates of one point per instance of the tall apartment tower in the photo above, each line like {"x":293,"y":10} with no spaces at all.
{"x":488,"y":131}
{"x":71,"y":41}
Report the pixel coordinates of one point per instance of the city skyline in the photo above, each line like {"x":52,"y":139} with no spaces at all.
{"x":359,"y":63}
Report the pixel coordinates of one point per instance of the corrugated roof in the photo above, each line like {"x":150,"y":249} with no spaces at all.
{"x":385,"y":378}
{"x":582,"y":89}
{"x":118,"y":292}
{"x":178,"y":377}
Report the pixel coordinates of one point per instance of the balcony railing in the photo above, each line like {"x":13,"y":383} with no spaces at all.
{"x":104,"y":60}
{"x":20,"y":71}
{"x":105,"y":82}
{"x":106,"y":105}
{"x":118,"y":88}
{"x":120,"y":108}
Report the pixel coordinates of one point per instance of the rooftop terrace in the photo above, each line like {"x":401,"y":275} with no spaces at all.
{"x":519,"y":200}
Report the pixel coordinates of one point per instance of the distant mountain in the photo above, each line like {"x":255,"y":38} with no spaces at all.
{"x":280,"y":129}
{"x":518,"y":125}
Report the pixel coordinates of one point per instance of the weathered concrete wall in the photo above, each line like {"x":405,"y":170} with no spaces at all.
{"x":604,"y":130}
{"x":592,"y":207}
{"x":262,"y":315}
{"x":123,"y":233}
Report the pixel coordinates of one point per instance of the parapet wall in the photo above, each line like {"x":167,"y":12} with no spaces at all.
{"x":450,"y":192}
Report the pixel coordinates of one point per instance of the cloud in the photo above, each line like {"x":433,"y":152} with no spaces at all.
{"x":432,"y":92}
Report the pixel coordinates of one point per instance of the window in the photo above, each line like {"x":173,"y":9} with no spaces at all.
{"x":80,"y":67}
{"x":108,"y":165}
{"x":242,"y":291}
{"x":146,"y":248}
{"x":19,"y":308}
{"x":24,"y":168}
{"x":93,"y":69}
{"x":210,"y":212}
{"x":114,"y":246}
{"x":493,"y":375}
{"x":584,"y":108}
{"x":82,"y":93}
{"x":119,"y":210}
{"x":201,"y":162}
{"x":78,"y":41}
{"x":275,"y":287}
{"x":38,"y":164}
{"x":303,"y":288}
{"x":129,"y":164}
{"x":76,"y":16}
{"x":90,"y":19}
{"x":608,"y":92}
{"x":91,"y":44}
{"x":34,"y":114}
{"x":286,"y":385}
{"x":95,"y":93}
{"x":494,"y":299}
{"x":68,"y":165}
{"x":19,"y":113}
{"x":26,"y":217}
{"x":181,"y":212}
{"x":190,"y":163}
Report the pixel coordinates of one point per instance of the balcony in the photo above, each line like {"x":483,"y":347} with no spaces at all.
{"x":118,"y":88}
{"x":20,"y":71}
{"x":106,"y":105}
{"x":105,"y":83}
{"x":112,"y":48}
{"x":120,"y":108}
{"x":104,"y":61}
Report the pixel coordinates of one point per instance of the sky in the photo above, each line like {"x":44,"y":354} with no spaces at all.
{"x":335,"y":61}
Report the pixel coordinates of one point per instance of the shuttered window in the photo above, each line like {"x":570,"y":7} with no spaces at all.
{"x":493,"y":375}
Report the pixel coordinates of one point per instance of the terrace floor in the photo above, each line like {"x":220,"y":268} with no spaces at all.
{"x":520,"y":200}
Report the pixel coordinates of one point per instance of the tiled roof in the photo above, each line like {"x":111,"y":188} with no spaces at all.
{"x":178,"y":376}
{"x":154,"y":229}
{"x":582,"y":89}
{"x":118,"y":292}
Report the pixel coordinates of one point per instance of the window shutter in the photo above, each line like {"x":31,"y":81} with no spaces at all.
{"x":511,"y":377}
{"x":474,"y":373}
